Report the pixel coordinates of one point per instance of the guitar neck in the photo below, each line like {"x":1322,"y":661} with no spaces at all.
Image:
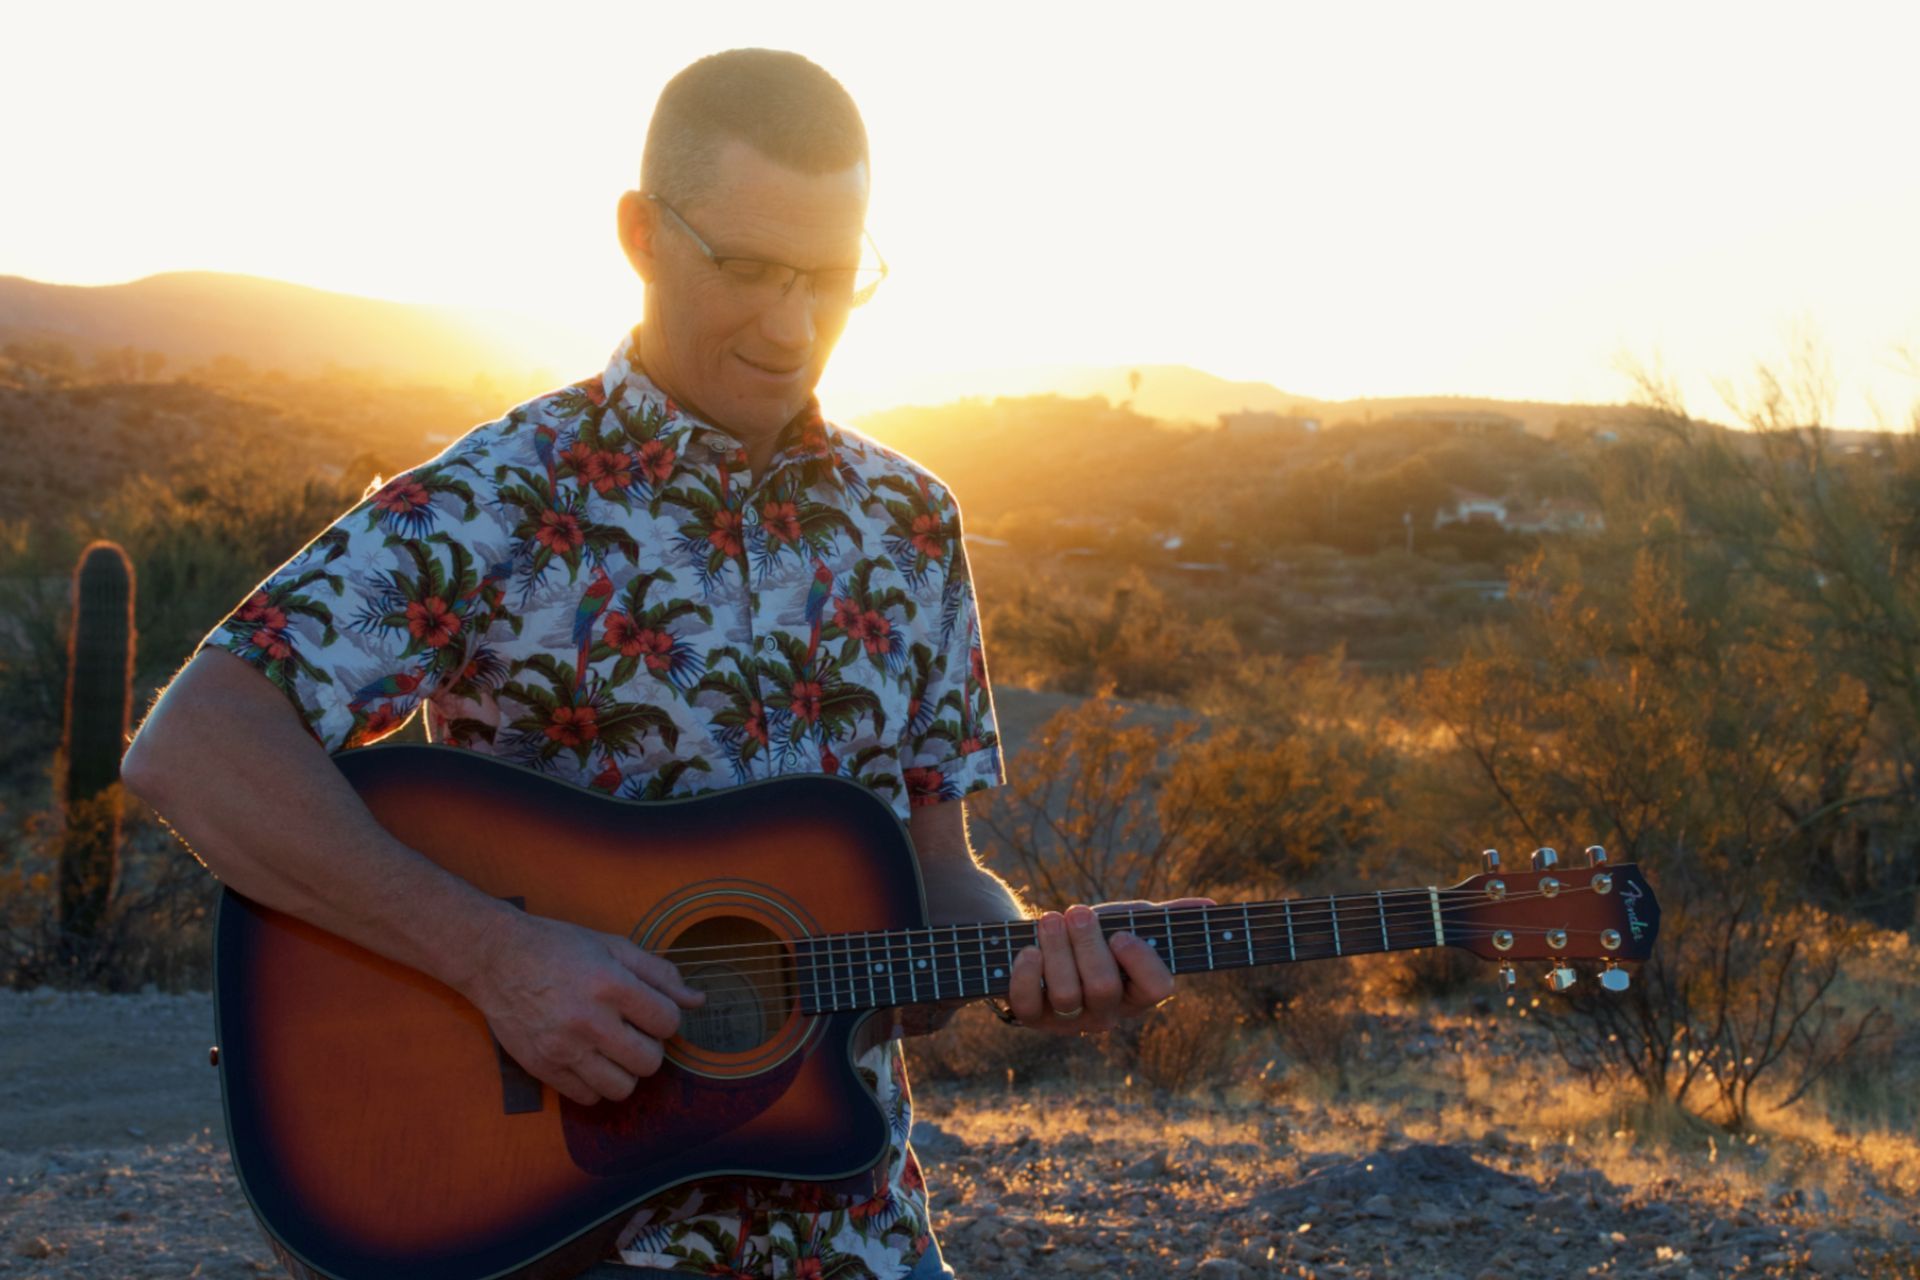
{"x":852,"y":971}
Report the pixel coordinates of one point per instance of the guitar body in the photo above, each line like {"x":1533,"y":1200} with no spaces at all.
{"x":376,"y":1126}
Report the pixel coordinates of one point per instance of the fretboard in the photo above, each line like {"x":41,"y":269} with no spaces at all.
{"x":849,"y":971}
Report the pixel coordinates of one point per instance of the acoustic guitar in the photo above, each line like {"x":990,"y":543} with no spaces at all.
{"x":379,"y":1131}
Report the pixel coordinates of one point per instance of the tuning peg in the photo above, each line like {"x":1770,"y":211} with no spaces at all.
{"x":1544,"y":858}
{"x":1508,"y":978}
{"x":1561,"y":979}
{"x":1615,"y":980}
{"x":1596,"y":856}
{"x":1492,"y":858}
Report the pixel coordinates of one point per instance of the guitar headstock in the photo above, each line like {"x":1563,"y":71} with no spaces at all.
{"x":1602,"y":911}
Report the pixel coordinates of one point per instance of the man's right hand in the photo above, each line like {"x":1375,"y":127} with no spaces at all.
{"x":585,"y":1012}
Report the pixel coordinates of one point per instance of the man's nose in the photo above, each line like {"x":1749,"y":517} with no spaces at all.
{"x":788,"y":320}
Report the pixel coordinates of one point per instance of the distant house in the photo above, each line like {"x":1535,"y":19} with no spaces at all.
{"x":1465,"y":423}
{"x":1265,"y":422}
{"x":1468,"y":505}
{"x":1557,"y":515}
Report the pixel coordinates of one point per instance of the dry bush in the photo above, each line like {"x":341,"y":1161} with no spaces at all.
{"x":1316,"y":1020}
{"x":1735,"y":993}
{"x":977,"y":1047}
{"x":157,"y":930}
{"x":1193,"y":1040}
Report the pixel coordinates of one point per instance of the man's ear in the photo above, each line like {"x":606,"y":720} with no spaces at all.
{"x":638,"y":223}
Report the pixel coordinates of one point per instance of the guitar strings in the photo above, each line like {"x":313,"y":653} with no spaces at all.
{"x":1310,"y":910}
{"x":850,"y":983}
{"x":1196,"y":915}
{"x":960,"y":964}
{"x":795,"y":998}
{"x":1192,"y":926}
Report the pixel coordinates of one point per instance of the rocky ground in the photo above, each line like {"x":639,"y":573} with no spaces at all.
{"x":112,"y":1164}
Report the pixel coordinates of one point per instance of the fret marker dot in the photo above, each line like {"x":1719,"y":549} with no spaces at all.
{"x":1153,"y":942}
{"x":1228,"y":935}
{"x":999,"y":973}
{"x":879,"y":968}
{"x":923,"y":964}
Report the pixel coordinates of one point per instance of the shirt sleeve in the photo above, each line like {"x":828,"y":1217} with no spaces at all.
{"x":950,"y":746}
{"x":375,"y":614}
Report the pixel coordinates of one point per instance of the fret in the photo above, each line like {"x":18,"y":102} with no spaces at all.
{"x":1288,"y":905}
{"x":1166,"y":920}
{"x":1246,"y":924}
{"x":1206,"y":931}
{"x":1334,"y":909}
{"x":913,"y":977}
{"x":1381,"y":902}
{"x":833,"y":974}
{"x":980,"y":941}
{"x":845,"y":943}
{"x":999,"y":973}
{"x":1439,"y":930}
{"x":866,"y":964}
{"x":1008,"y":947}
{"x":887,"y":966}
{"x":959,"y":969}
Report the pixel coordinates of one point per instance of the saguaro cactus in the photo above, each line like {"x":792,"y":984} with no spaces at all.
{"x":99,"y":701}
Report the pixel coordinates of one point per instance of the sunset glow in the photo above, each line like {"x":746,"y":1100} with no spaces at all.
{"x":1341,"y":200}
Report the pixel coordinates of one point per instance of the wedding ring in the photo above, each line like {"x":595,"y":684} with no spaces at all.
{"x":1074,"y":1012}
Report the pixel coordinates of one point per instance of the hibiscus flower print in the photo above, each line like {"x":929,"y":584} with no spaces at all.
{"x":572,"y":726}
{"x":383,"y":720}
{"x":431,"y":622}
{"x":726,"y":532}
{"x":260,"y":608}
{"x":634,"y":641}
{"x":929,"y":536}
{"x":805,"y":696}
{"x":272,"y":643}
{"x":656,"y":461}
{"x":781,"y":520}
{"x":559,"y":532}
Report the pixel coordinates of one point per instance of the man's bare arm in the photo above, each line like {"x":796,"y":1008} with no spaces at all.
{"x":224,"y":759}
{"x":1076,"y":979}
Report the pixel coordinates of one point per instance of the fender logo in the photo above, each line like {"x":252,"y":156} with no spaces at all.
{"x":1630,"y":895}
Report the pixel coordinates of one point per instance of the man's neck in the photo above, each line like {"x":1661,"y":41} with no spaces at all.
{"x":760,"y":448}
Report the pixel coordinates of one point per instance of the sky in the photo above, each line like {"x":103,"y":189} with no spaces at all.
{"x":1342,"y":199}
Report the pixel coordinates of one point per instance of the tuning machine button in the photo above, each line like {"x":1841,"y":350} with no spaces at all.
{"x":1596,"y":856}
{"x":1561,"y":978}
{"x":1545,"y":858}
{"x":1615,"y":979}
{"x":1508,"y":978}
{"x":1491,"y":857}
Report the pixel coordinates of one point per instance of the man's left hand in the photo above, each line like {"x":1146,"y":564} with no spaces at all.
{"x":1078,"y":980}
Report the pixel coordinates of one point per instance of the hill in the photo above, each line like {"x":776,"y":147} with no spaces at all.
{"x":194,"y":317}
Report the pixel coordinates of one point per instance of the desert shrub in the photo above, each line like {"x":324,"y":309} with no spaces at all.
{"x":157,"y":929}
{"x":977,"y":1047}
{"x":1192,"y":1040}
{"x":1735,"y":993}
{"x":1316,"y":1020}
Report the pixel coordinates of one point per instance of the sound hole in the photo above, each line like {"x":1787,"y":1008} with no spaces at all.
{"x":744,"y":968}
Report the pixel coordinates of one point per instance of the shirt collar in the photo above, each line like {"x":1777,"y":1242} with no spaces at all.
{"x":806,"y":443}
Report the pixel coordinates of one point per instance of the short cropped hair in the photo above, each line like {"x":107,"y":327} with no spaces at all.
{"x":782,"y":105}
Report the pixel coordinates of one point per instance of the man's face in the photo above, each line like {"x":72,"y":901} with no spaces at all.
{"x":746,"y":360}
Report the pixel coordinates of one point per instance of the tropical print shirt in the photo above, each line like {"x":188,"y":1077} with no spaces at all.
{"x":595,"y":586}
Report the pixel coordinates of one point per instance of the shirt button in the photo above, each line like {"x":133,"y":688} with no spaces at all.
{"x":769,"y":643}
{"x":753,"y":515}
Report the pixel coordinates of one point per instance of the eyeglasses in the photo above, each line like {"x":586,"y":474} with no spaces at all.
{"x":766,"y":280}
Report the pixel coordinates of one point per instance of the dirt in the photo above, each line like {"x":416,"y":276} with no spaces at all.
{"x":113,"y":1164}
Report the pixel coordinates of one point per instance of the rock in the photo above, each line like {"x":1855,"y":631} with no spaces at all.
{"x":1830,"y":1255}
{"x":1512,"y":1198}
{"x":35,"y":1248}
{"x":930,"y":1139}
{"x":1153,"y":1166}
{"x":1380,"y":1206}
{"x":1220,"y":1269}
{"x":1432,"y":1218}
{"x":1077,"y":1261}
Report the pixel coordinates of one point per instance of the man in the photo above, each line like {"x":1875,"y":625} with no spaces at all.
{"x":672,"y":576}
